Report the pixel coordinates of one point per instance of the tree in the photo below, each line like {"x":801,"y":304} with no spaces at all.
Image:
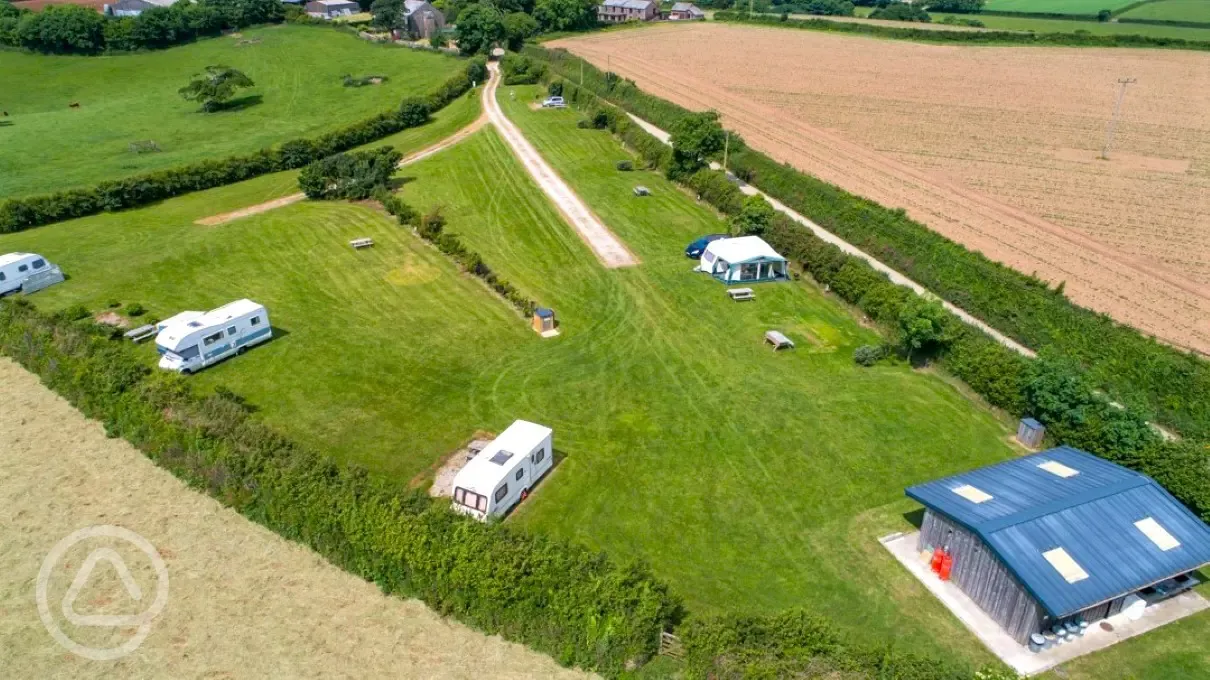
{"x":517,"y":27}
{"x":355,"y":175}
{"x":753,"y":218}
{"x":695,"y":138}
{"x":388,"y":14}
{"x":923,"y":325}
{"x":901,"y":11}
{"x":955,"y":6}
{"x":1056,"y":390}
{"x":1104,"y":15}
{"x":215,"y":87}
{"x":62,"y":29}
{"x":565,"y":15}
{"x":479,"y":27}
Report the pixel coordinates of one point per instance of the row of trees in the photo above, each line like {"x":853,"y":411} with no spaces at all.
{"x":481,"y":25}
{"x":73,"y":29}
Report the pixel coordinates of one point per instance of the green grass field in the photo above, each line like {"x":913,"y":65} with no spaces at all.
{"x":1055,"y":6}
{"x":1172,"y":10}
{"x":1093,"y":27}
{"x":47,"y":146}
{"x":750,"y":480}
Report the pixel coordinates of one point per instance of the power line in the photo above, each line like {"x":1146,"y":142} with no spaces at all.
{"x":1117,"y":110}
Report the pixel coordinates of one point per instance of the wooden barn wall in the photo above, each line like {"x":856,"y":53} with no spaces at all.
{"x":983,"y":577}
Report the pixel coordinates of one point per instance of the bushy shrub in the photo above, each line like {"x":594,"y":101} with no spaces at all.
{"x":868,"y":355}
{"x":901,"y":11}
{"x":713,"y":187}
{"x":555,"y":89}
{"x":625,"y":166}
{"x":521,"y":70}
{"x":135,"y":309}
{"x":353,"y":175}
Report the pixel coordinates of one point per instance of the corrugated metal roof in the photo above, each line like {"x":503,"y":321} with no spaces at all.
{"x":1091,"y":515}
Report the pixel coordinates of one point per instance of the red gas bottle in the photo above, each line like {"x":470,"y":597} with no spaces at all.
{"x":938,"y":557}
{"x":947,"y":563}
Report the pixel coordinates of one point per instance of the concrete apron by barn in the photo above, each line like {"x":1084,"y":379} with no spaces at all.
{"x":1016,"y":655}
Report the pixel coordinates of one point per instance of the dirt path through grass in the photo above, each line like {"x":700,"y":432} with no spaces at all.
{"x":604,"y":244}
{"x":215,"y":220}
{"x":242,"y":603}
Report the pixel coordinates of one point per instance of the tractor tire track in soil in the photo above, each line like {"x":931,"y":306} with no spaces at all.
{"x":243,"y":602}
{"x":1158,"y":301}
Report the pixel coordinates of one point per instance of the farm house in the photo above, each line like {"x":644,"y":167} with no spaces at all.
{"x":747,"y":259}
{"x":1060,"y":537}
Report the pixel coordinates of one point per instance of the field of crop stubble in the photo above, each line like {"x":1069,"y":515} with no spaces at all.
{"x":994,"y":147}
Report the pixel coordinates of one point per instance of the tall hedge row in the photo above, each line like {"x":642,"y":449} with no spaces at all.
{"x":23,"y":213}
{"x":1082,"y":39}
{"x":579,"y":606}
{"x":1172,"y":386}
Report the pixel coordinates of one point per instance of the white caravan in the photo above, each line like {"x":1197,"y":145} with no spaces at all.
{"x":192,"y":341}
{"x":504,"y":471}
{"x":15,"y":268}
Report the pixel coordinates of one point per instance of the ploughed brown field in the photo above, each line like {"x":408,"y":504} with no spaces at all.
{"x":996,"y":148}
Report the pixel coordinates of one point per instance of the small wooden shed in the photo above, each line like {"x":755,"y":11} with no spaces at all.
{"x":1030,"y":433}
{"x":544,"y":320}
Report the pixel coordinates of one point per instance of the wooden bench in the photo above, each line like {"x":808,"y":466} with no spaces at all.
{"x":359,"y":243}
{"x":141,"y":333}
{"x":741,"y":294}
{"x":778,"y":340}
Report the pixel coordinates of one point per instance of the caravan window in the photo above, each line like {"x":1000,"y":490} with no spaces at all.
{"x":231,"y":330}
{"x":470,"y":499}
{"x":2,"y":276}
{"x":501,"y":492}
{"x":520,"y":474}
{"x":188,"y":352}
{"x":540,"y":455}
{"x":23,"y":268}
{"x":254,"y":321}
{"x":211,"y":339}
{"x":38,"y":264}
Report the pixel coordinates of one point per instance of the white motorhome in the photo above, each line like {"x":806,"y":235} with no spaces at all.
{"x":16,"y":268}
{"x":504,"y":471}
{"x":191,"y":341}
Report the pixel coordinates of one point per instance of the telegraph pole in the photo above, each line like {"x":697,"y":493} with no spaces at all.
{"x":1117,"y":110}
{"x":726,"y":149}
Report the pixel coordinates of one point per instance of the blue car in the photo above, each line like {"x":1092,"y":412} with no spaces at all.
{"x":698,"y":247}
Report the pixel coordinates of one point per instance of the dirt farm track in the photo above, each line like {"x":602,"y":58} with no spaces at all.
{"x":242,"y":602}
{"x":994,"y":147}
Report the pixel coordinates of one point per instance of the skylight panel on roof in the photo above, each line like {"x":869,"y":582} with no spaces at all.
{"x":1158,"y":534}
{"x":1054,"y":467}
{"x":973,"y":494}
{"x":501,"y":457}
{"x":1067,"y":567}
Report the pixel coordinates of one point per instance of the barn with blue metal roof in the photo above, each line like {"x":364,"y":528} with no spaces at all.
{"x":1058,"y":536}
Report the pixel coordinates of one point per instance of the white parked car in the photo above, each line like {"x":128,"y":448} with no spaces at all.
{"x":553,"y":103}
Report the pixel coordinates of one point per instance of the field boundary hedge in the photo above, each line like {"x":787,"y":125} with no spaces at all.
{"x":19,"y":214}
{"x":991,"y":37}
{"x":577,"y":605}
{"x":1170,"y":386}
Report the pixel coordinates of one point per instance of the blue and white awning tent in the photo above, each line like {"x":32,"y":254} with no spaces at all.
{"x":1074,"y":529}
{"x":747,"y":259}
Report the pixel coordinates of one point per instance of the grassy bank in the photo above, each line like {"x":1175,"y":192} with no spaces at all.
{"x":49,"y":146}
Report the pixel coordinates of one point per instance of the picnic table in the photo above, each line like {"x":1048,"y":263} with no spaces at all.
{"x":642,"y":191}
{"x":778,"y":340}
{"x":141,"y":333}
{"x":741,"y":294}
{"x":359,"y":243}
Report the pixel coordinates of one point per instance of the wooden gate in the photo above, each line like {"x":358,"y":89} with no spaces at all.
{"x":670,"y":645}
